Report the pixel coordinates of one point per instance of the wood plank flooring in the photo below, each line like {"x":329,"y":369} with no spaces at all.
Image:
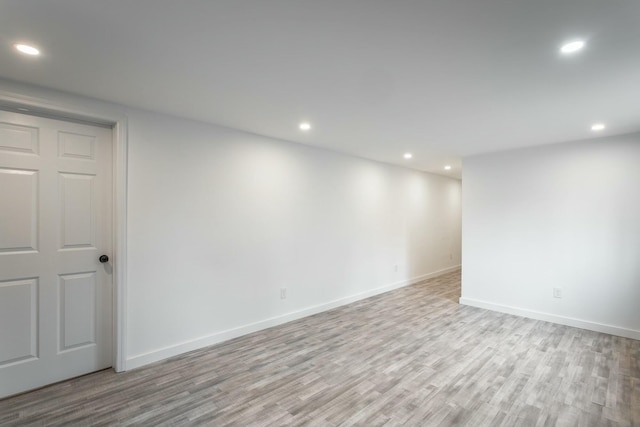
{"x":409,"y":357}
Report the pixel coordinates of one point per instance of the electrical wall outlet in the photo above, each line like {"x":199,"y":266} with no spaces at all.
{"x":395,"y":268}
{"x":283,"y":293}
{"x":557,"y":292}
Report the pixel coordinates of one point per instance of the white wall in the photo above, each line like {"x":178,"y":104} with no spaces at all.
{"x":219,"y":220}
{"x":565,"y":216}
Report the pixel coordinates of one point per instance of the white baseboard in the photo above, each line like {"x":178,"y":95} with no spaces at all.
{"x":553,"y":318}
{"x":174,"y":350}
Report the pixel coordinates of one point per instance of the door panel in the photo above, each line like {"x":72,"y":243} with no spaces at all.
{"x":78,"y":310}
{"x":19,"y":215}
{"x":76,"y":146}
{"x":77,"y":202}
{"x":18,"y":139}
{"x":55,"y":221}
{"x":18,"y":306}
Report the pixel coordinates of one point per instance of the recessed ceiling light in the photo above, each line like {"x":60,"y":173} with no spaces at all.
{"x":408,"y":155}
{"x":29,"y":50}
{"x":572,"y":47}
{"x":305,"y":126}
{"x":447,"y":168}
{"x":598,"y":126}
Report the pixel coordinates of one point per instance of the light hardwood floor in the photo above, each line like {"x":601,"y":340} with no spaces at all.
{"x":408,"y":357}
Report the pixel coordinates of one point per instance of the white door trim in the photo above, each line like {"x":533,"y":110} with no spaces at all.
{"x":64,"y":107}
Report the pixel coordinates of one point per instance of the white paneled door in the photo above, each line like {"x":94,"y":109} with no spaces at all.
{"x":55,"y":223}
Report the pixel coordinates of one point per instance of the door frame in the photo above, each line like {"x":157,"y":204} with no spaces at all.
{"x":56,"y":105}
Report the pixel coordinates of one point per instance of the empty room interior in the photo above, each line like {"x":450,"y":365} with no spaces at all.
{"x":323,"y":213}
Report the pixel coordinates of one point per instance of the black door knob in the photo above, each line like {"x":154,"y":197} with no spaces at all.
{"x":103,"y":258}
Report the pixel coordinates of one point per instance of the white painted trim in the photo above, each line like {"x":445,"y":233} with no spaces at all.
{"x":65,"y":106}
{"x":553,"y":318}
{"x":174,"y":350}
{"x":120,"y":244}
